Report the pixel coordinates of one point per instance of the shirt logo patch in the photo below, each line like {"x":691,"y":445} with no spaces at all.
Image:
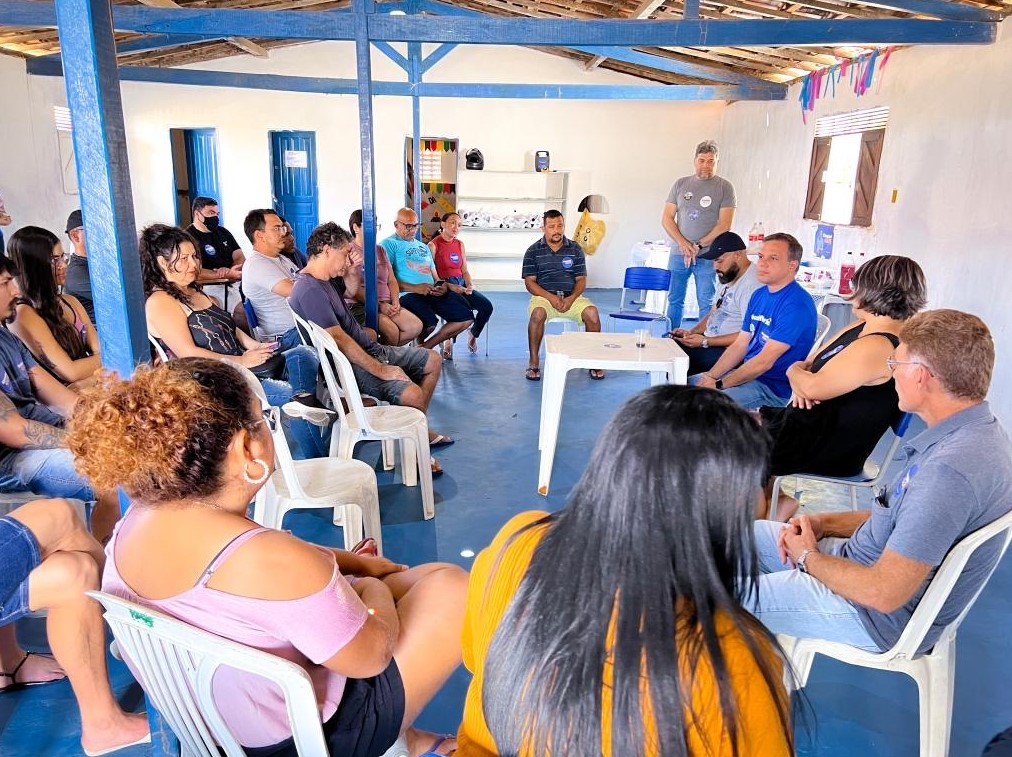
{"x":567,"y":262}
{"x":209,"y":249}
{"x":693,"y":215}
{"x":687,"y":196}
{"x":705,"y":201}
{"x":455,"y":258}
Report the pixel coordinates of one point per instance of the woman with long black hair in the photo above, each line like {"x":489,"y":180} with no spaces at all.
{"x":615,"y":625}
{"x":55,"y":327}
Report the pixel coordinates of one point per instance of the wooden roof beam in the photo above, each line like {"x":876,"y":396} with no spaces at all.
{"x":242,"y":43}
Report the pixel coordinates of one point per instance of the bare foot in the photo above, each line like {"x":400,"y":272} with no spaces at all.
{"x":125,"y":730}
{"x":34,"y":669}
{"x":422,"y":742}
{"x":472,"y":342}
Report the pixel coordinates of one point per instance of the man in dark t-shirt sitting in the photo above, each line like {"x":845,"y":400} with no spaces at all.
{"x":400,"y":375}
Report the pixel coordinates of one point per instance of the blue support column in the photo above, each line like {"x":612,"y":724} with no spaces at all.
{"x":414,"y":79}
{"x":362,"y":10}
{"x":89,"y":63}
{"x":88,"y":50}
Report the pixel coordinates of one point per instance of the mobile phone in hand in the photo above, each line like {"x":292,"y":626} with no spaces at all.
{"x":439,"y":283}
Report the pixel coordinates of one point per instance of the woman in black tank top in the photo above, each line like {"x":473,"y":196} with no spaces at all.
{"x":188,"y":323}
{"x":844,"y":398}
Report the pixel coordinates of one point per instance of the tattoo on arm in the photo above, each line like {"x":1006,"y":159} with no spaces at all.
{"x":41,"y":436}
{"x":7,"y":408}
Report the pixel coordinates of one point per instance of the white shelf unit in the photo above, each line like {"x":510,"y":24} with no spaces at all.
{"x":495,"y":254}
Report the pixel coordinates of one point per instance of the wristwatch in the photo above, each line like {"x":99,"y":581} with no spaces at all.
{"x":706,"y":343}
{"x":802,"y":558}
{"x":719,"y":383}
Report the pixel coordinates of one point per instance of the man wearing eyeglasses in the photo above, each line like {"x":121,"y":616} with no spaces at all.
{"x":857,"y":577}
{"x":421,"y":292}
{"x":705,"y":343}
{"x":268,"y":277}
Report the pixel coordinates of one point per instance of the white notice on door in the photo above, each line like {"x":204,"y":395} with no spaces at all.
{"x":296,"y":159}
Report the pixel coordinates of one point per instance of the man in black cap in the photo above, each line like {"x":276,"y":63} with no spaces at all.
{"x":78,"y":282}
{"x":705,"y":343}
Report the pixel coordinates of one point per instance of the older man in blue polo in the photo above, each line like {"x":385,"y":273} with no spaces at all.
{"x":555,"y":273}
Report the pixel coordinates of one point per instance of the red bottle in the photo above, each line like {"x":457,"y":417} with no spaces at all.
{"x":847,"y":273}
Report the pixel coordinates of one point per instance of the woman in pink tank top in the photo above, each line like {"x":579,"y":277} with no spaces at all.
{"x":189,"y":444}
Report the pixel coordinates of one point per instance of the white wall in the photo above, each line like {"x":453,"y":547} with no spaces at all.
{"x":947,"y":153}
{"x":628,"y":151}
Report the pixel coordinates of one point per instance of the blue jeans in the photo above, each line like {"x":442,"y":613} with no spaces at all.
{"x":49,"y":472}
{"x":706,"y":285}
{"x":798,"y":604}
{"x":290,"y":339}
{"x":751,"y":395}
{"x":305,"y":439}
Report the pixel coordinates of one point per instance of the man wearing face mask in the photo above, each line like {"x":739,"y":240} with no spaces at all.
{"x":220,"y":255}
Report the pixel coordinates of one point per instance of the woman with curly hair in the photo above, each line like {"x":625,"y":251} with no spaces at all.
{"x":615,"y":626}
{"x":190,"y":445}
{"x":55,"y":327}
{"x":844,"y":398}
{"x":188,"y":323}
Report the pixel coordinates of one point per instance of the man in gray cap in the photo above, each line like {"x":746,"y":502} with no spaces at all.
{"x":699,"y":208}
{"x":78,"y":282}
{"x":705,"y":343}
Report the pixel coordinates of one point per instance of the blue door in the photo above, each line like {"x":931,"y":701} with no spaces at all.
{"x":194,"y":168}
{"x":293,"y":179}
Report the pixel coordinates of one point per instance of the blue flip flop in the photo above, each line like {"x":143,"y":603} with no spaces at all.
{"x":440,"y":740}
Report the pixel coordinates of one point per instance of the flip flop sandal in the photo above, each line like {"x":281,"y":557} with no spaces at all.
{"x":366,"y":547}
{"x":440,"y":740}
{"x":440,"y":440}
{"x":596,"y":373}
{"x":437,"y":469}
{"x":533,"y":374}
{"x":16,"y":685}
{"x":472,"y":343}
{"x":447,"y":355}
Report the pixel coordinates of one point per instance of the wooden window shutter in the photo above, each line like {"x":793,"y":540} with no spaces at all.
{"x":867,"y":177}
{"x":816,"y":189}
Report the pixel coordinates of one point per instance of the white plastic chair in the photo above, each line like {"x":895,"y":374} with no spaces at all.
{"x":348,"y":486}
{"x":302,"y":327}
{"x":175,"y":665}
{"x":871,"y":477}
{"x":934,"y":671}
{"x":385,"y":422}
{"x":159,"y":350}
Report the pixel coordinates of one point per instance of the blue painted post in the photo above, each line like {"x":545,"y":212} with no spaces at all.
{"x":89,"y":62}
{"x":414,"y":79}
{"x":88,"y":50}
{"x":362,"y":10}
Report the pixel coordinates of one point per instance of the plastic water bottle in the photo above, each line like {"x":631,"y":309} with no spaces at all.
{"x":753,"y":236}
{"x":847,"y":273}
{"x":760,"y":235}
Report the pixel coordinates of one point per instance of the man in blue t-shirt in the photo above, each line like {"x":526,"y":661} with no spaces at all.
{"x":778,"y":330}
{"x":415,"y":272}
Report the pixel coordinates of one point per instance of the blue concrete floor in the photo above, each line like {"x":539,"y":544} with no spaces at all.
{"x":491,"y":473}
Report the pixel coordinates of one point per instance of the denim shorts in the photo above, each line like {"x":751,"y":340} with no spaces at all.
{"x":19,"y":556}
{"x":412,"y":360}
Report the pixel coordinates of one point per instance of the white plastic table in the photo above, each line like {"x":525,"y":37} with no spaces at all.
{"x":661,"y":357}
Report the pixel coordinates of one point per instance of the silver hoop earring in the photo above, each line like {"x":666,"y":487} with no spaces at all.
{"x":260,"y":479}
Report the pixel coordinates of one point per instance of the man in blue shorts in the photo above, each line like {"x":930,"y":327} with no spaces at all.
{"x":400,"y":375}
{"x":778,"y":331}
{"x":48,"y":560}
{"x":421,"y":292}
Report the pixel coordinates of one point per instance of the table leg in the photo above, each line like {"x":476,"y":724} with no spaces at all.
{"x":554,"y":379}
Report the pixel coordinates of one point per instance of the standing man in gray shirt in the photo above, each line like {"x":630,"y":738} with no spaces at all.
{"x":856,"y":577}
{"x":78,"y":281}
{"x":699,"y":208}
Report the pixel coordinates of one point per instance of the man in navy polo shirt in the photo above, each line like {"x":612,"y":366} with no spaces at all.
{"x":778,"y":331}
{"x":555,"y":273}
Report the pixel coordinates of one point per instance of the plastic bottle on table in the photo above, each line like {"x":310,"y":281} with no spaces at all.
{"x":847,"y":273}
